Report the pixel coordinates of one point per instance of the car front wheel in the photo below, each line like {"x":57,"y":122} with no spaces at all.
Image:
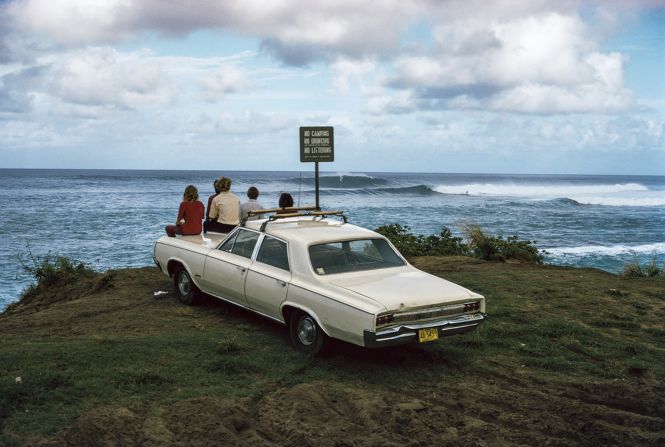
{"x":184,"y":287}
{"x":306,"y":335}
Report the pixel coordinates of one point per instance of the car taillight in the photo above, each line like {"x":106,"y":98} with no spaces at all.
{"x":384,"y":319}
{"x":472,"y":307}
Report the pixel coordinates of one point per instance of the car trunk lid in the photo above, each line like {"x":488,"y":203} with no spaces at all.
{"x":404,"y":289}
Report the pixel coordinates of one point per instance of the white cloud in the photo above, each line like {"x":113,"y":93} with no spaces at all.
{"x":105,"y":77}
{"x":357,"y":27}
{"x":251,"y":123}
{"x":349,"y":71}
{"x":72,"y":22}
{"x":227,"y":79}
{"x":401,"y":102}
{"x":535,"y":64}
{"x":392,"y":76}
{"x":23,"y":134}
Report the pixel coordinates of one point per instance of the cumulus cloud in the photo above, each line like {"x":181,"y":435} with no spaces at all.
{"x":402,"y":102}
{"x":347,"y":72}
{"x":287,"y":27}
{"x":536,"y":64}
{"x":507,"y":133}
{"x":72,"y":22}
{"x":227,"y":79}
{"x":103,"y":76}
{"x":244,"y":123}
{"x":16,"y":91}
{"x":528,"y":56}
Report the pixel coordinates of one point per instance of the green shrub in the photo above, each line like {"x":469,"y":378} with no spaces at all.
{"x":50,"y":270}
{"x":399,"y":235}
{"x":496,"y":248}
{"x":479,"y":244}
{"x":635,"y":270}
{"x":445,"y":244}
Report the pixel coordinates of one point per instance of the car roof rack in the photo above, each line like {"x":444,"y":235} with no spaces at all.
{"x":291,"y":209}
{"x":297,"y":213}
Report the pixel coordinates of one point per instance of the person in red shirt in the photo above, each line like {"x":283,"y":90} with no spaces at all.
{"x":190,"y":215}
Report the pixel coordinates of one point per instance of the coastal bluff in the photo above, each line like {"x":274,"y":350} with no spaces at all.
{"x":568,"y":357}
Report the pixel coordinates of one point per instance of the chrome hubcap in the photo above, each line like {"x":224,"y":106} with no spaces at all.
{"x":306,"y":331}
{"x":184,"y":285}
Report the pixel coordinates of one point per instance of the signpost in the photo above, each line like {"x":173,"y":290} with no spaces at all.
{"x":317,"y":144}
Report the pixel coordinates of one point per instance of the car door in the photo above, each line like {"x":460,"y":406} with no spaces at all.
{"x":268,"y":277}
{"x":226,"y":267}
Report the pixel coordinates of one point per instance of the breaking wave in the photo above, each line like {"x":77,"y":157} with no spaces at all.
{"x":536,"y":191}
{"x":343,"y":181}
{"x":602,"y":250}
{"x":619,"y":194}
{"x":417,"y":190}
{"x":422,"y":190}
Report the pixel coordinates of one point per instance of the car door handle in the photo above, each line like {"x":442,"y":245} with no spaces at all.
{"x":242,"y":269}
{"x":281,"y":283}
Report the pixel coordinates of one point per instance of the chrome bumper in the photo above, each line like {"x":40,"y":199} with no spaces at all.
{"x":407,"y":333}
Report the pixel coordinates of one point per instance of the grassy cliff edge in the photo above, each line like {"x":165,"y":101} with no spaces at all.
{"x":567,"y":357}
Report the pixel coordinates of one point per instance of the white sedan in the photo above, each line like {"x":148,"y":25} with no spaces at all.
{"x":323,"y":278}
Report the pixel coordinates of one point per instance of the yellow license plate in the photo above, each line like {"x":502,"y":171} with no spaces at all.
{"x":428,"y":335}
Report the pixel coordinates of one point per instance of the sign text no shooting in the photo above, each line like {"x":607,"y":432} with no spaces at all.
{"x":317,"y":144}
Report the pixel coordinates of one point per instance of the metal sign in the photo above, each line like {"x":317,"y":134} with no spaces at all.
{"x":317,"y":144}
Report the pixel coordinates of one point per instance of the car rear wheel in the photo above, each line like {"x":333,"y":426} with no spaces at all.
{"x":185,"y":287}
{"x":306,"y":335}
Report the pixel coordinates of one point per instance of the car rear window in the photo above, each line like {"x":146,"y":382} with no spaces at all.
{"x":353,"y":256}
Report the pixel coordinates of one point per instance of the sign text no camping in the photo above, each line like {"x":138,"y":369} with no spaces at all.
{"x":317,"y":144}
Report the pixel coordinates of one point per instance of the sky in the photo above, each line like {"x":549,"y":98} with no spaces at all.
{"x":510,"y":86}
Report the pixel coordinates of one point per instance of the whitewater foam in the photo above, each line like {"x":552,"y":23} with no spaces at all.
{"x":603,"y":250}
{"x":618,"y":194}
{"x":544,"y":191}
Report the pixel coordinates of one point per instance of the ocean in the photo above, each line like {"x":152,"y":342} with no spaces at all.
{"x":111,"y":218}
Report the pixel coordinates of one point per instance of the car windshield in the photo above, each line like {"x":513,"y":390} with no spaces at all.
{"x":353,"y":256}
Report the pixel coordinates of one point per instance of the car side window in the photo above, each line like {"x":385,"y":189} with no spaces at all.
{"x":273,"y":252}
{"x":228,"y":244}
{"x":242,"y":244}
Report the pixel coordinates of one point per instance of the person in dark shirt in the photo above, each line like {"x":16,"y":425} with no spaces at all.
{"x":190,"y":215}
{"x":209,"y":221}
{"x":285,"y":201}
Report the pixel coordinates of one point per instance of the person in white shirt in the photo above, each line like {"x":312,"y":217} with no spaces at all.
{"x":225,"y":209}
{"x":251,"y":205}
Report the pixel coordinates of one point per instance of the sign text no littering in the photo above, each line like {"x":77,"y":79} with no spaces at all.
{"x":317,"y":144}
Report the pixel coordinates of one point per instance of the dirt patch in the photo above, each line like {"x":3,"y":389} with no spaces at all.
{"x":104,"y":426}
{"x":504,"y":412}
{"x":67,"y":287}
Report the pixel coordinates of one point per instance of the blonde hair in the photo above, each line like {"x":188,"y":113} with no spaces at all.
{"x":191,"y":194}
{"x":224,"y":184}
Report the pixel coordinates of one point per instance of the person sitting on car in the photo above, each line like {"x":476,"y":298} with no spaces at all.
{"x":216,"y":184}
{"x":251,"y":205}
{"x":190,"y":215}
{"x":225,"y":209}
{"x":285,"y":201}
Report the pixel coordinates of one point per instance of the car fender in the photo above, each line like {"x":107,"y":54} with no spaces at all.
{"x":171,"y":270}
{"x":307,"y":310}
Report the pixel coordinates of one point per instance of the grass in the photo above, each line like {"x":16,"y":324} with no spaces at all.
{"x":120,"y":346}
{"x":636,"y":270}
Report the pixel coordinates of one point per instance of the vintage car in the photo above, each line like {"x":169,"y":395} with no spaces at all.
{"x":323,"y":278}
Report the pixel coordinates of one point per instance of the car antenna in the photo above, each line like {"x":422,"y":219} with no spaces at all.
{"x":299,"y":186}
